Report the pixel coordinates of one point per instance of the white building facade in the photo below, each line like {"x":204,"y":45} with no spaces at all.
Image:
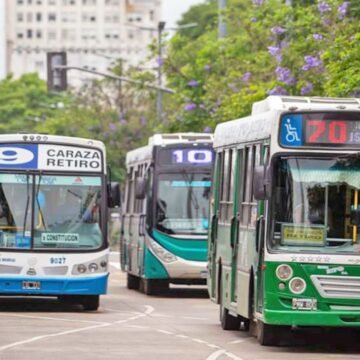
{"x":94,"y":33}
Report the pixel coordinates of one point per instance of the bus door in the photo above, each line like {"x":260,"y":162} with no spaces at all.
{"x":139,"y":220}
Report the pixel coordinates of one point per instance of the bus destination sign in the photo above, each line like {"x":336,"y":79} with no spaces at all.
{"x":333,"y":129}
{"x":186,"y":156}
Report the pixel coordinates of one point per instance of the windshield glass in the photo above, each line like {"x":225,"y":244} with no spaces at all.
{"x":182,"y":203}
{"x":66,"y":211}
{"x":15,"y":210}
{"x":313,"y":200}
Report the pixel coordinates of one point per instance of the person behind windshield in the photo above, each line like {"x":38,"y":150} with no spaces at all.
{"x":314,"y":212}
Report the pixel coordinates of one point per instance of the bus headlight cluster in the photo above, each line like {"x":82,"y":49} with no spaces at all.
{"x":94,"y":266}
{"x":297,"y":285}
{"x":284,"y":272}
{"x":162,"y":253}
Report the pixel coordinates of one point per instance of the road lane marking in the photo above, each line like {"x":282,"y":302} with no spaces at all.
{"x":239,"y":341}
{"x":41,"y":337}
{"x":116,"y":265}
{"x":52,"y":319}
{"x":221,"y":352}
{"x":194,"y":318}
{"x":148,"y":311}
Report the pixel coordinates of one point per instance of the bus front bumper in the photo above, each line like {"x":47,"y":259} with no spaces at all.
{"x":36,"y":286}
{"x":312,"y":318}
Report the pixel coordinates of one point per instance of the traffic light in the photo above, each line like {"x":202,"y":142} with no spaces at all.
{"x":56,"y":76}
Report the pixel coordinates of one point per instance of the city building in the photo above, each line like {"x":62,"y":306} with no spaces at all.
{"x":94,"y":33}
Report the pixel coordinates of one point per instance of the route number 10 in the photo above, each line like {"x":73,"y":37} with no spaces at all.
{"x":192,"y":156}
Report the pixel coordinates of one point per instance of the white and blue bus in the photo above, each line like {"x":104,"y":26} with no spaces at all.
{"x":54,"y":196}
{"x":165,"y":213}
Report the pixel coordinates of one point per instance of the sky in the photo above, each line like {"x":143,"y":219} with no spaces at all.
{"x":171,"y":13}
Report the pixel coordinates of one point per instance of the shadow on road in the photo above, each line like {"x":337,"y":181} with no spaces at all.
{"x":319,"y":340}
{"x":36,"y":304}
{"x":184,"y":292}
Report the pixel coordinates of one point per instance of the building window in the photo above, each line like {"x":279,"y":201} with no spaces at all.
{"x":89,"y":2}
{"x":38,"y":17}
{"x":29,"y":34}
{"x":20,"y":17}
{"x":52,"y":17}
{"x":19,"y":35}
{"x":39,"y":34}
{"x":29,"y":17}
{"x":20,"y":2}
{"x":51,"y":2}
{"x":52,"y":35}
{"x":39,"y":2}
{"x":152,"y":15}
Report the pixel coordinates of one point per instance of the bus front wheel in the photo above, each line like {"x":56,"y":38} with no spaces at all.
{"x":90,"y":302}
{"x":132,"y":282}
{"x":154,"y":286}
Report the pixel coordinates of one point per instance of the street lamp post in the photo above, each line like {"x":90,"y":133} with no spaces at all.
{"x":222,"y":23}
{"x":160,"y":28}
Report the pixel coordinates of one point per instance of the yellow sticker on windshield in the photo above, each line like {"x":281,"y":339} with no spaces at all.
{"x":303,"y":235}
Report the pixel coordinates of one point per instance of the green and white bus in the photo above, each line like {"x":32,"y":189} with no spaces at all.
{"x":165,"y":215}
{"x":284,"y":240}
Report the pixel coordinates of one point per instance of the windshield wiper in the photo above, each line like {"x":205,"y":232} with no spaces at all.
{"x":27,"y":202}
{"x":38,"y":202}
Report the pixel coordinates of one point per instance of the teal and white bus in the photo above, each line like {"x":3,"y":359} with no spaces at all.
{"x":54,"y":196}
{"x":284,"y":241}
{"x":165,"y":212}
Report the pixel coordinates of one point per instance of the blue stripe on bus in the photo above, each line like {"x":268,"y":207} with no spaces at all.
{"x":56,"y":286}
{"x":188,"y":249}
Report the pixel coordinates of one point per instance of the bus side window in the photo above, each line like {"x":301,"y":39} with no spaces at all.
{"x":130,"y":183}
{"x":227,"y":188}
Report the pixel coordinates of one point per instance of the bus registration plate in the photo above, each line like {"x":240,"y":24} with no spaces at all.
{"x":304,"y":304}
{"x":31,"y":285}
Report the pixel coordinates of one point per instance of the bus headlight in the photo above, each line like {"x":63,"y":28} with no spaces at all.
{"x":162,"y":253}
{"x":297,"y":285}
{"x":93,"y":267}
{"x":81,"y":268}
{"x":284,"y":272}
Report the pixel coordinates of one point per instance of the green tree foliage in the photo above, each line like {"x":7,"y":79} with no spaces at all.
{"x":24,"y":103}
{"x":298,"y":47}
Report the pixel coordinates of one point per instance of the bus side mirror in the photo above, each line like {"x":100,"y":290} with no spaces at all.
{"x":114,"y":199}
{"x":261,"y":184}
{"x":355,"y":217}
{"x":140,"y":188}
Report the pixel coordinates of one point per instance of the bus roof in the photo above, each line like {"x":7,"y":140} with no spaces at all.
{"x":145,"y":153}
{"x":57,"y":139}
{"x":258,"y":125}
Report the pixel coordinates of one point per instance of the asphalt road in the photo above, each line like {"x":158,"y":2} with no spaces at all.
{"x":180,"y":324}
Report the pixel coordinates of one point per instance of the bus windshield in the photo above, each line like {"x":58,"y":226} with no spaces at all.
{"x":64,"y":210}
{"x":182,"y":203}
{"x":312,"y":202}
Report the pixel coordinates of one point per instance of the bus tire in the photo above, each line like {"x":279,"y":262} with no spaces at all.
{"x":154,"y":286}
{"x":132,"y":282}
{"x":228,"y":322}
{"x":90,"y":302}
{"x":268,"y":335}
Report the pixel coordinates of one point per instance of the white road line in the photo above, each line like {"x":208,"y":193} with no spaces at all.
{"x":216,"y":354}
{"x":52,"y":319}
{"x":221,"y":352}
{"x":148,"y":311}
{"x":37,"y":338}
{"x":165,"y":332}
{"x":239,"y":341}
{"x":114,"y":264}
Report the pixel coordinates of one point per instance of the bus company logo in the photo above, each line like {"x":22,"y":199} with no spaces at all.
{"x":77,"y":180}
{"x":17,"y":156}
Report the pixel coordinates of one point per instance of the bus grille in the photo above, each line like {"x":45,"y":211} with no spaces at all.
{"x":345,"y":287}
{"x":8,"y":269}
{"x":56,"y":270}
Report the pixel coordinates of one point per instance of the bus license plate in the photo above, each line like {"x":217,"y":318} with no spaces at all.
{"x":304,"y":304}
{"x":31,"y":285}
